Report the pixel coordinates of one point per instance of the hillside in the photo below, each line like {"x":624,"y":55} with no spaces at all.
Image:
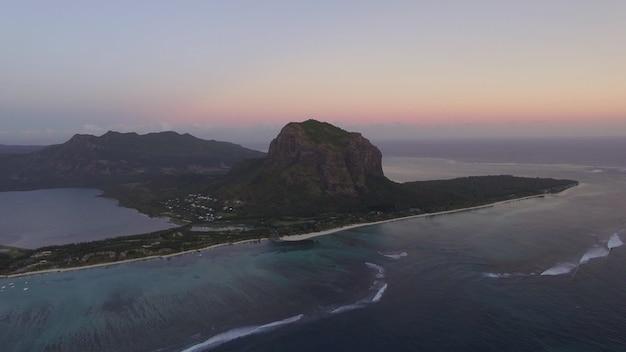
{"x":311,"y":168}
{"x":315,"y":177}
{"x":314,"y":167}
{"x":90,"y":160}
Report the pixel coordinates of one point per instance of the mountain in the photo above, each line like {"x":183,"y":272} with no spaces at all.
{"x":312,"y":166}
{"x":315,"y":168}
{"x":89,"y":160}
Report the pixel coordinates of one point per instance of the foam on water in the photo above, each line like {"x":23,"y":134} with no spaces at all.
{"x":379,"y":294}
{"x":594,"y":252}
{"x":348,"y":307}
{"x":394,"y":255}
{"x":238,"y":286}
{"x":615,"y":241}
{"x":380,"y":271}
{"x":597,"y":251}
{"x":506,"y":275}
{"x":560,"y":269}
{"x":378,"y":285}
{"x":380,"y":288}
{"x":240,"y":332}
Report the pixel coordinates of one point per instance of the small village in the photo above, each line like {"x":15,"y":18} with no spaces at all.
{"x":199,"y":208}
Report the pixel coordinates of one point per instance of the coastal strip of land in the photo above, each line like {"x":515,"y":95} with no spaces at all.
{"x":298,"y":237}
{"x":125,"y":261}
{"x":354,"y":226}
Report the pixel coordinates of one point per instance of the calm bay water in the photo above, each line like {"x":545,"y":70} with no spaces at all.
{"x":67,"y":215}
{"x":544,"y":274}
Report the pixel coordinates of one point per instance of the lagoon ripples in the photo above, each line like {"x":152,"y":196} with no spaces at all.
{"x":464,"y":282}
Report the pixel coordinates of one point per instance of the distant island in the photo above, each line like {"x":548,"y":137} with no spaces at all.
{"x":315,"y":177}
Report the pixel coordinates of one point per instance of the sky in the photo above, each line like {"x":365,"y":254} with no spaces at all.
{"x":239,"y":70}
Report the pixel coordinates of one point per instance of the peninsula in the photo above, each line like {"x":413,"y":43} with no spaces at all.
{"x":316,"y":178}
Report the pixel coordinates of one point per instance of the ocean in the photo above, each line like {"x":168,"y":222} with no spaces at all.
{"x":542,"y":274}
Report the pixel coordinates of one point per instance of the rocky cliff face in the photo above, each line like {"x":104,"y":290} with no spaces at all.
{"x":316,"y":166}
{"x":336,"y":160}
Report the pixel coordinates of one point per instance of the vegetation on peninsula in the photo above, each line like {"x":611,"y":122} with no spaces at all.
{"x":315,"y":177}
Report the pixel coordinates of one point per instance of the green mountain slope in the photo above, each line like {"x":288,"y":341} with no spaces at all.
{"x":310,"y":167}
{"x":313,"y":167}
{"x":90,"y":160}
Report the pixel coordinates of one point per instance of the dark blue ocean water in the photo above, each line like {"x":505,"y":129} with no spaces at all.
{"x":543,"y":274}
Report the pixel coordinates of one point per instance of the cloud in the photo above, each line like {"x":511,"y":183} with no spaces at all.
{"x":92,"y":129}
{"x":202,"y":125}
{"x":165,"y":126}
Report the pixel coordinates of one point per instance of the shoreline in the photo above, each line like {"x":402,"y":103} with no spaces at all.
{"x":126,"y":261}
{"x":424,"y":215}
{"x":290,"y":238}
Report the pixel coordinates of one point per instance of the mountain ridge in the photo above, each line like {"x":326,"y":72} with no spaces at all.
{"x":311,"y":168}
{"x":85,"y":158}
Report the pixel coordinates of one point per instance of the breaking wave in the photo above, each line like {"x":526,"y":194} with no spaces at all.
{"x":615,"y":241}
{"x":240,"y":332}
{"x":348,"y":307}
{"x":379,"y":294}
{"x":380,"y":271}
{"x":594,"y":252}
{"x":506,"y":275}
{"x":378,"y":289}
{"x":394,"y":255}
{"x":560,"y":269}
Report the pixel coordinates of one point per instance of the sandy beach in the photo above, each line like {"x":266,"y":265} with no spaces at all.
{"x":348,"y":227}
{"x":284,"y":238}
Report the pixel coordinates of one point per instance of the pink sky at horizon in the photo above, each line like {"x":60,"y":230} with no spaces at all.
{"x":241,"y":70}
